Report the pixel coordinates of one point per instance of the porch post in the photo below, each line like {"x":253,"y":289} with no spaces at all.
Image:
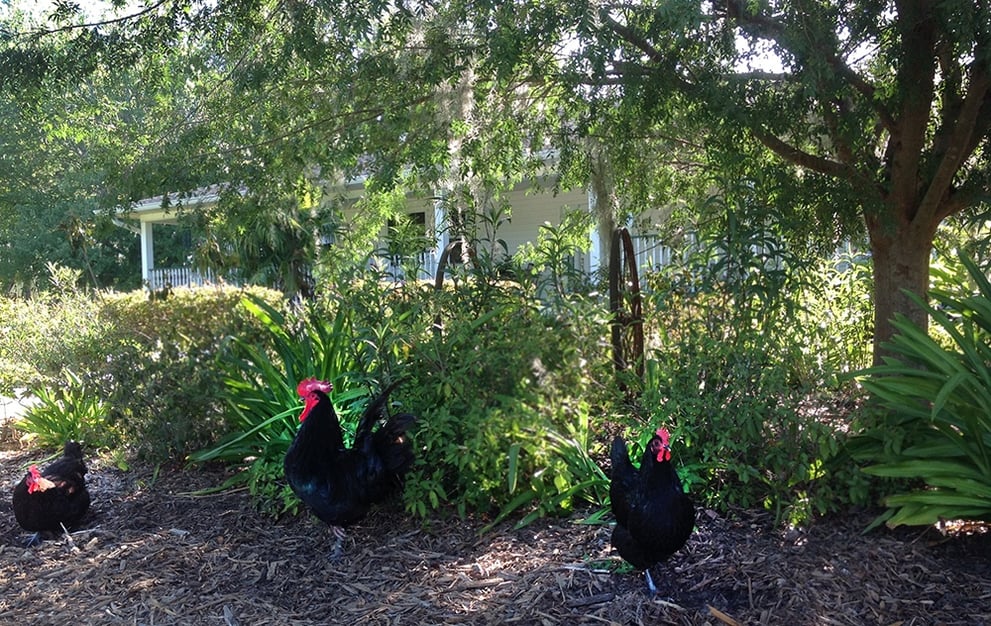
{"x":595,"y":252}
{"x":147,"y":253}
{"x":440,"y":233}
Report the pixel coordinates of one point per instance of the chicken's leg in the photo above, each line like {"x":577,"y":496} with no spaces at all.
{"x":338,"y":550}
{"x":651,"y":588}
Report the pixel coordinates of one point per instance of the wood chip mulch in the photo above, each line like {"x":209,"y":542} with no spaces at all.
{"x":148,"y":553}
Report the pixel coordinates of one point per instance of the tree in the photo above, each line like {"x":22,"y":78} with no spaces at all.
{"x":875,"y":112}
{"x":881,"y":108}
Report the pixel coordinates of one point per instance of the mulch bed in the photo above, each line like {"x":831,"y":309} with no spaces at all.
{"x":149,"y":553}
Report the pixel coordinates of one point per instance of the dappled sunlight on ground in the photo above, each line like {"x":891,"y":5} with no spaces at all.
{"x":147,"y":554}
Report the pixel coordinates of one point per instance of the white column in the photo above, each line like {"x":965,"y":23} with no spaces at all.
{"x":440,"y":233}
{"x":147,"y":251}
{"x":595,"y":252}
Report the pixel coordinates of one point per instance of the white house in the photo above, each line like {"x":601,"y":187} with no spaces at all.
{"x":156,"y":210}
{"x":529,"y":211}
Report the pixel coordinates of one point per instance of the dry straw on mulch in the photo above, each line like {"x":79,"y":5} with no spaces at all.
{"x":148,"y":554}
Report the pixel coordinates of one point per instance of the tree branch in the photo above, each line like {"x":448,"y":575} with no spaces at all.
{"x":639,"y":42}
{"x":766,"y":27}
{"x":960,"y":140}
{"x":813,"y":162}
{"x":116,"y":20}
{"x":800,"y":157}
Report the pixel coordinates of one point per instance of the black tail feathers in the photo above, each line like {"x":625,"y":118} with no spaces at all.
{"x":393,"y":444}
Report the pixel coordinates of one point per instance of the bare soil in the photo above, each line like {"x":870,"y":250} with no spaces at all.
{"x":150,"y":553}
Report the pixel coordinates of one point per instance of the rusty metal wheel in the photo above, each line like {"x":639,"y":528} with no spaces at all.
{"x":626,"y":305}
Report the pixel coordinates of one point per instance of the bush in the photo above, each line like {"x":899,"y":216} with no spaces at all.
{"x":727,"y":373}
{"x":931,"y":424}
{"x":505,"y":391}
{"x":508,"y":397}
{"x":159,"y":374}
{"x":42,"y":335}
{"x":149,"y":365}
{"x":260,"y":378}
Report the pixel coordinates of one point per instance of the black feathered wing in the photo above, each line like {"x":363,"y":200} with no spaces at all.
{"x":623,"y":481}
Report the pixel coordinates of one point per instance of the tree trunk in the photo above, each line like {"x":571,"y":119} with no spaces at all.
{"x":605,"y":203}
{"x":901,"y":264}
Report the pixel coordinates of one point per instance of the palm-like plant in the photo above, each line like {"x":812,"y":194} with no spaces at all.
{"x":935,"y":424}
{"x":261,"y":385}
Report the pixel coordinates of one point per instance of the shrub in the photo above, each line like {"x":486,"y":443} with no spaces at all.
{"x":158,"y":372}
{"x":837,"y":315}
{"x":726,"y":371}
{"x":149,"y":365}
{"x":42,"y":335}
{"x":68,"y":412}
{"x":508,"y":399}
{"x":934,"y":423}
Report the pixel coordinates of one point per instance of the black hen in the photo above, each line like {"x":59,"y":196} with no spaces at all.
{"x":654,"y":516}
{"x":340,"y":484}
{"x":49,"y":499}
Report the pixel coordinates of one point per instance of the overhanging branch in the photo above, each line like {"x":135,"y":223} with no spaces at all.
{"x":767,"y":27}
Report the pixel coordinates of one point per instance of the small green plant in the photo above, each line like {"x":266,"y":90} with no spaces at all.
{"x":68,"y":412}
{"x":934,"y":426}
{"x":551,"y":259}
{"x":565,"y":474}
{"x":269,"y":490}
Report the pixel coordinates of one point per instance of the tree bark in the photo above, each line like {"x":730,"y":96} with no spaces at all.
{"x":901,"y":264}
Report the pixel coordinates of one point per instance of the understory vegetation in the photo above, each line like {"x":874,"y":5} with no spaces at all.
{"x":749,"y":363}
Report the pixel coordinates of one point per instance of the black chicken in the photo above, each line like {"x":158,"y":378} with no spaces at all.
{"x":654,"y":516}
{"x":49,"y":499}
{"x":339,"y":484}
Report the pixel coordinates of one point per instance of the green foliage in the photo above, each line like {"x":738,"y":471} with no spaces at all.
{"x":837,"y":315}
{"x":57,"y":328}
{"x":566,"y":473}
{"x":726,"y":372}
{"x":260,"y":378}
{"x":68,"y":412}
{"x":506,"y":397}
{"x":150,"y":364}
{"x":551,"y":259}
{"x":934,"y":423}
{"x":158,"y":371}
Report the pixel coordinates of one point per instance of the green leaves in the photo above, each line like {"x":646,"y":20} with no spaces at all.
{"x":935,"y":427}
{"x":309,"y":340}
{"x":69,"y":411}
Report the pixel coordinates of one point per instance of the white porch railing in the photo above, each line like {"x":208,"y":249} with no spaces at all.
{"x":650,"y":252}
{"x":392,"y":267}
{"x":159,"y":277}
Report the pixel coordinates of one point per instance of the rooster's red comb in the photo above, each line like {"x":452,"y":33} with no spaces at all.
{"x":664,"y":435}
{"x":310,"y":384}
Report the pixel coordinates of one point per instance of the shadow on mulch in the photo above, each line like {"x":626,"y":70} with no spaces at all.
{"x":149,"y":554}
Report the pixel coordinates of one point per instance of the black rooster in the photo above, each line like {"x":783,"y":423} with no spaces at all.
{"x":49,"y":499}
{"x":654,"y":516}
{"x":340,"y":484}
